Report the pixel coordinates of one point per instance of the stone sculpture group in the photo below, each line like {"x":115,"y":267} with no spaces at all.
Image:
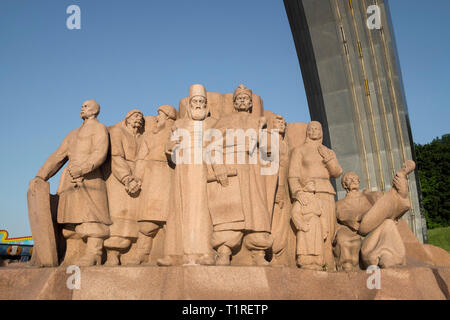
{"x":221,"y":181}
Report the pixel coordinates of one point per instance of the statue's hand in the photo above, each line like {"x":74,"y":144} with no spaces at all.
{"x":171,"y":145}
{"x":132,"y":185}
{"x":325,"y":233}
{"x":223,"y":180}
{"x":279,"y":199}
{"x":75,"y":171}
{"x":302,"y":198}
{"x":310,"y":186}
{"x":305,"y":227}
{"x":262,"y":123}
{"x":325,"y":153}
{"x":135,"y":185}
{"x":221,"y":175}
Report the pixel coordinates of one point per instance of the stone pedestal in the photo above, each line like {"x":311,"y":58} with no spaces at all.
{"x":227,"y":283}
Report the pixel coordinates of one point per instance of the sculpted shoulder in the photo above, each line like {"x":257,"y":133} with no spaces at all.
{"x":180,"y":123}
{"x":211,"y":122}
{"x":296,"y":152}
{"x":98,"y":127}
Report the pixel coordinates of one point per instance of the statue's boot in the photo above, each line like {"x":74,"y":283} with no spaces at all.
{"x":206,"y":260}
{"x":258,"y":258}
{"x":347,"y":267}
{"x":112,"y":257}
{"x":141,"y":253}
{"x":277,"y":262}
{"x":190,"y":260}
{"x":314,"y":267}
{"x":93,"y":254}
{"x":114,"y":247}
{"x":224,"y":256}
{"x":166,"y":261}
{"x":72,"y":251}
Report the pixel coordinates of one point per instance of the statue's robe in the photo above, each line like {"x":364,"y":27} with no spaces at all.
{"x":156,"y":200}
{"x":252,"y":199}
{"x":86,"y":147}
{"x":123,"y":207}
{"x":277,"y":185}
{"x":306,"y":164}
{"x":189,"y":227}
{"x":309,"y":222}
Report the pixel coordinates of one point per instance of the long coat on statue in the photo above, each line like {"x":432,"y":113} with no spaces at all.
{"x":85,"y":201}
{"x":122,"y":207}
{"x":250,"y":210}
{"x":156,"y":200}
{"x":189,"y":225}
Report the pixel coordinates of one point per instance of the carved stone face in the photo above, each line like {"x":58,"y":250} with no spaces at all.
{"x":88,"y":109}
{"x":243,"y":102}
{"x":351,"y":182}
{"x":314,"y":131}
{"x":197,"y":107}
{"x":161,"y":118}
{"x":136,"y":120}
{"x":279,"y":124}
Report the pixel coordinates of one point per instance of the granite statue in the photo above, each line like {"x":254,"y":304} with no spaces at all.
{"x":124,"y":188}
{"x":189,"y":228}
{"x":238,"y":180}
{"x":312,"y":161}
{"x":83,"y":202}
{"x":157,"y":174}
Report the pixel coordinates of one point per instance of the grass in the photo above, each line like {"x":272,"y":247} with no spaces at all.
{"x":440,"y":237}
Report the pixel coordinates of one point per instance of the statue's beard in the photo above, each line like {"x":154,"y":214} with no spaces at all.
{"x":242,"y":106}
{"x":136,"y":125}
{"x":198,"y":115}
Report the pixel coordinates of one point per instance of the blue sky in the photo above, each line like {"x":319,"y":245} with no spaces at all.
{"x":141,"y":53}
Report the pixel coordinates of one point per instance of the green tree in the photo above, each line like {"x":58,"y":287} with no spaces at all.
{"x":433,"y":162}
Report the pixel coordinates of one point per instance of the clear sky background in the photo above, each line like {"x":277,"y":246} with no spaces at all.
{"x":142,"y":53}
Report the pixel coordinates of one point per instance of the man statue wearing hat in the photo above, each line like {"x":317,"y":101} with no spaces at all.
{"x":123,"y":187}
{"x":249,"y":212}
{"x":156,"y":173}
{"x":188,"y":236}
{"x":83,"y":202}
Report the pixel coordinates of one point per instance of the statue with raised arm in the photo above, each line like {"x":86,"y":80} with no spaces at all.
{"x":373,"y":216}
{"x":83,"y":202}
{"x":312,"y":161}
{"x":383,"y":245}
{"x":349,"y":213}
{"x":123,"y":187}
